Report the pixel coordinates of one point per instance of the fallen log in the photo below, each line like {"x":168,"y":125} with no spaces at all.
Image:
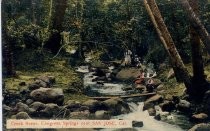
{"x":123,"y":97}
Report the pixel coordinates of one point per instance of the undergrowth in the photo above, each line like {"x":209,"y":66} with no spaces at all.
{"x":32,"y":63}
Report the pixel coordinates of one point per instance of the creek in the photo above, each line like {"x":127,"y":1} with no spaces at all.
{"x":173,"y":121}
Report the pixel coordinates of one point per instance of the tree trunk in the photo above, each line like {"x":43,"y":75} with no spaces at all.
{"x":33,"y":11}
{"x":55,"y":24}
{"x":7,"y":56}
{"x":196,"y":24}
{"x":7,"y":51}
{"x":198,"y":81}
{"x":177,"y":63}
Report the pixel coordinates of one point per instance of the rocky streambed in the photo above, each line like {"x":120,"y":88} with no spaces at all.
{"x":41,"y":100}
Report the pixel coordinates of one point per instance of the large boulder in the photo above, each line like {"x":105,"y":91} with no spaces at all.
{"x":48,"y":95}
{"x":93,"y":105}
{"x":21,"y":107}
{"x":184,"y":106}
{"x":128,"y":74}
{"x":200,"y":127}
{"x":116,"y":106}
{"x":152,"y":101}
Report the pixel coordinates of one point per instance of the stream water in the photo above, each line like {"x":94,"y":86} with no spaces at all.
{"x":136,"y":106}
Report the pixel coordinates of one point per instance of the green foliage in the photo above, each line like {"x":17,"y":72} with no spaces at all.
{"x":108,"y":26}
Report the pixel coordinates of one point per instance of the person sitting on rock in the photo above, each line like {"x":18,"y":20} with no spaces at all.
{"x":150,"y":85}
{"x":140,"y":79}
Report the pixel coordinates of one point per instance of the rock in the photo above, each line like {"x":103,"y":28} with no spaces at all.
{"x":71,"y":102}
{"x":170,"y":117}
{"x":140,"y":87}
{"x":137,"y":123}
{"x":176,"y":99}
{"x":101,"y":78}
{"x":50,"y":110}
{"x":10,"y":98}
{"x":42,"y":83}
{"x":156,"y":82}
{"x":22,"y":115}
{"x":151,"y":111}
{"x":49,"y":80}
{"x":33,"y":86}
{"x":83,"y":108}
{"x":206,"y":102}
{"x":93,"y":105}
{"x":148,"y":105}
{"x":6,"y":108}
{"x":38,"y":106}
{"x":100,"y":83}
{"x":201,"y":117}
{"x":29,"y":101}
{"x":80,"y":115}
{"x":200,"y":127}
{"x":170,"y":74}
{"x":21,"y":107}
{"x":157,"y":117}
{"x":160,"y":87}
{"x":184,"y":106}
{"x":24,"y":92}
{"x":116,"y":106}
{"x":101,"y":114}
{"x":73,"y":106}
{"x":152,"y":101}
{"x":22,"y":83}
{"x":48,"y":95}
{"x":165,"y":113}
{"x":99,"y":72}
{"x":128,"y":74}
{"x":167,"y":106}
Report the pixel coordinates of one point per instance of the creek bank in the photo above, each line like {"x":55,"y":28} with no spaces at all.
{"x":42,"y":100}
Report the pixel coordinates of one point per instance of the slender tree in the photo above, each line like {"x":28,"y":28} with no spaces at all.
{"x":198,"y":81}
{"x":177,"y":63}
{"x":197,"y":24}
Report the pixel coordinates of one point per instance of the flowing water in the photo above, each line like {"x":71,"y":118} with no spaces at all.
{"x":136,"y":106}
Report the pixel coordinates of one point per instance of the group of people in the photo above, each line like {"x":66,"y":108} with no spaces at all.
{"x":146,"y":80}
{"x":145,"y":77}
{"x":131,"y":59}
